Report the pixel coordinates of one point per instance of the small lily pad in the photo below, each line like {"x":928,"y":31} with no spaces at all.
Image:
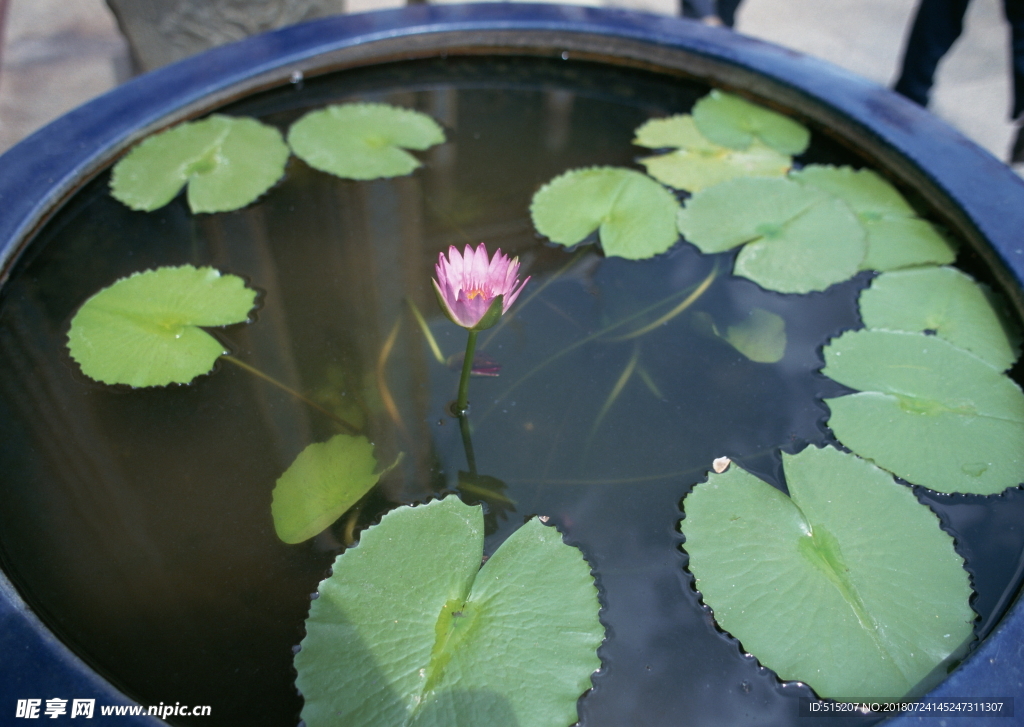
{"x":947,"y":302}
{"x":227,"y":162}
{"x":761,"y":337}
{"x":849,"y":584}
{"x":697,"y":162}
{"x":144,"y":330}
{"x":324,"y":481}
{"x":736,"y":123}
{"x":929,"y":412}
{"x":896,"y":236}
{"x":410,"y":630}
{"x":363,"y":140}
{"x":796,"y":239}
{"x":634,"y":215}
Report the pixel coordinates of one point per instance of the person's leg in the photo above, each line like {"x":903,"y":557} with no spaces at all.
{"x":937,"y":25}
{"x":727,"y":11}
{"x":696,"y":8}
{"x":1014,"y":10}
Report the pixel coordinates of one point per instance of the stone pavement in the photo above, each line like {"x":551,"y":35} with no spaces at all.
{"x":57,"y":54}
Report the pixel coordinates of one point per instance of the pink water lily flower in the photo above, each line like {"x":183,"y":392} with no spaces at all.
{"x":473,"y":291}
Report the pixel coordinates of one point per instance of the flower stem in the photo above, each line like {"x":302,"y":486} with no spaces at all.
{"x":271,"y":380}
{"x":467,"y":443}
{"x":462,"y":405}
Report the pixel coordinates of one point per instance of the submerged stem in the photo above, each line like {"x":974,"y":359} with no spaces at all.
{"x":615,"y":392}
{"x":271,"y":380}
{"x":422,"y":323}
{"x":467,"y":443}
{"x":690,"y":299}
{"x":382,"y":383}
{"x":462,"y":404}
{"x":533,"y":294}
{"x":699,"y":289}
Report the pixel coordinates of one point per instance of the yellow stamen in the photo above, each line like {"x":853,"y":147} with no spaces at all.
{"x":470,"y":294}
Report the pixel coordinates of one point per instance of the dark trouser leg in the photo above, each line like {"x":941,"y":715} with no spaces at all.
{"x":937,"y":25}
{"x":696,"y":8}
{"x":727,"y":11}
{"x":1014,"y":10}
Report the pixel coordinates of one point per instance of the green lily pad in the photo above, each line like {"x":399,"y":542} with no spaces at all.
{"x":796,"y":239}
{"x":736,"y":123}
{"x":698,"y":163}
{"x":363,"y":140}
{"x":741,"y":210}
{"x":226,"y":162}
{"x":410,"y":630}
{"x":634,"y":215}
{"x":947,"y":302}
{"x":896,"y":236}
{"x":849,"y":584}
{"x":144,"y":329}
{"x":324,"y":481}
{"x":932,"y":413}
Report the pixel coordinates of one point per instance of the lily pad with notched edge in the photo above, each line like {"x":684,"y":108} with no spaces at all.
{"x":849,"y":584}
{"x":896,"y":236}
{"x":796,"y":239}
{"x":927,"y":411}
{"x":227,"y":162}
{"x":946,"y":301}
{"x":145,"y":330}
{"x":324,"y":481}
{"x":697,"y":162}
{"x":410,"y":630}
{"x":363,"y":140}
{"x":736,"y":123}
{"x":635,"y":216}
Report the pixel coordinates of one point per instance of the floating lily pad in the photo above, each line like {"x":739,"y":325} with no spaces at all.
{"x":896,"y":236}
{"x":697,"y":162}
{"x":738,"y":211}
{"x":945,"y":301}
{"x":932,"y":413}
{"x":363,"y":140}
{"x":410,"y":630}
{"x":634,"y":215}
{"x":324,"y":481}
{"x":736,"y":123}
{"x":144,"y":330}
{"x":797,"y":239}
{"x":849,"y":584}
{"x":227,"y":162}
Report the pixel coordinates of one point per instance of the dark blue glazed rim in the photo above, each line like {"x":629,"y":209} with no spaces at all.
{"x":977,"y":196}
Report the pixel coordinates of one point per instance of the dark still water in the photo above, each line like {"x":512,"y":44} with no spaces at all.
{"x":138,"y":522}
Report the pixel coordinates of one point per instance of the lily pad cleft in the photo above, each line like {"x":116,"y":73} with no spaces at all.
{"x":363,"y":140}
{"x":633,"y":215}
{"x":410,"y":630}
{"x":226,"y":163}
{"x":848,"y":584}
{"x":146,"y":329}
